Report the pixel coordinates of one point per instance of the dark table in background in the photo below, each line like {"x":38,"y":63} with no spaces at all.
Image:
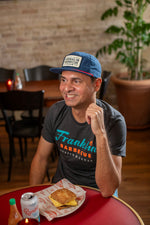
{"x":51,"y":88}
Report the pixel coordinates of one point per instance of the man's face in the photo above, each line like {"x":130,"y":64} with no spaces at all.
{"x":77,"y":89}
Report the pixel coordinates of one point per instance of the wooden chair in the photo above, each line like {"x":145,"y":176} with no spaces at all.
{"x":1,"y":155}
{"x":18,"y":101}
{"x":5,"y":74}
{"x":105,"y":80}
{"x":41,"y":72}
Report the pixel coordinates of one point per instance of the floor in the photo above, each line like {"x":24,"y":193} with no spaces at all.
{"x":135,"y":187}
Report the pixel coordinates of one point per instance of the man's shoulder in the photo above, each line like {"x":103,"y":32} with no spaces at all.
{"x":58,"y":109}
{"x":58,"y":105}
{"x":112,"y":117}
{"x":109,"y":111}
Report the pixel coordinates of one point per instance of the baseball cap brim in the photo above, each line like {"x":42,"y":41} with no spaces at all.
{"x":59,"y":70}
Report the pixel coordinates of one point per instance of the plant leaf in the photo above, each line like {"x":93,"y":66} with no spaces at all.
{"x":109,"y":12}
{"x":129,"y":16}
{"x":114,"y":30}
{"x":119,"y":3}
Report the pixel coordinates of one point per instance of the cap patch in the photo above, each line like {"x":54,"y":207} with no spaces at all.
{"x":72,"y":60}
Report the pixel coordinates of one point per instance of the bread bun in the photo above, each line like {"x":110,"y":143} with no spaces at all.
{"x":63,"y":197}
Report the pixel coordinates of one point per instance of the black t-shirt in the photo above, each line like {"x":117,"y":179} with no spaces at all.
{"x":76,"y":143}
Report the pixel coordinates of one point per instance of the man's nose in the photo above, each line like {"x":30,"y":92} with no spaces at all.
{"x":68,"y":86}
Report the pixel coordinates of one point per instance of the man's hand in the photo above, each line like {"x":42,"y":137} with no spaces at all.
{"x":95,"y":117}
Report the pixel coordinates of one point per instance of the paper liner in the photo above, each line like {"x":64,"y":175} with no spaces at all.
{"x":46,"y":207}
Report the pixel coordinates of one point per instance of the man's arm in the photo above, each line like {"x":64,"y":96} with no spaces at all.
{"x":108,"y":167}
{"x":39,"y":162}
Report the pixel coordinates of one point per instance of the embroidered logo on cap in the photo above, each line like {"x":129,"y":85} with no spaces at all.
{"x":72,"y":60}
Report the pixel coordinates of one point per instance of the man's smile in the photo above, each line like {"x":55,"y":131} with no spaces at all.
{"x":70,"y":96}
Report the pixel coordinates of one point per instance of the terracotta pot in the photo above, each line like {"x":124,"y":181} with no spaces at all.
{"x":133,"y":98}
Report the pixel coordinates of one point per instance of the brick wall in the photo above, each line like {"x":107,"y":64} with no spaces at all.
{"x":34,"y":32}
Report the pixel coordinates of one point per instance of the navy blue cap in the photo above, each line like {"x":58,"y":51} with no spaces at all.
{"x":80,"y":62}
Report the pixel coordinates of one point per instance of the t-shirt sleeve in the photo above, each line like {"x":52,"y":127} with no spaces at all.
{"x":115,"y":126}
{"x":48,"y":131}
{"x":117,"y":136}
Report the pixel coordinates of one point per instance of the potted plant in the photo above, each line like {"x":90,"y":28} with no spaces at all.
{"x":132,"y":87}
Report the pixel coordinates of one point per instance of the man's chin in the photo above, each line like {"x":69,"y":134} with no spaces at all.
{"x":70,"y":103}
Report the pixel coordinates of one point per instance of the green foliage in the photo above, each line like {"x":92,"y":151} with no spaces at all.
{"x":131,"y":38}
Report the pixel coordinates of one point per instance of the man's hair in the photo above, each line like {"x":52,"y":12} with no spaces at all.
{"x":93,"y":79}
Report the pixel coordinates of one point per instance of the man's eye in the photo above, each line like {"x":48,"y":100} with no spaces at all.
{"x":77,"y":81}
{"x":62,"y":79}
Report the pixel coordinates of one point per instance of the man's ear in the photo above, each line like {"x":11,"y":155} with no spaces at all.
{"x":98,"y":84}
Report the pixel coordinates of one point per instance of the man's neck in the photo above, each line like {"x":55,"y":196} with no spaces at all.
{"x":80,"y":111}
{"x":79,"y":115}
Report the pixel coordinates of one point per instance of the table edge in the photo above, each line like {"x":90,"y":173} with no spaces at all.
{"x":130,"y":207}
{"x":96,"y":189}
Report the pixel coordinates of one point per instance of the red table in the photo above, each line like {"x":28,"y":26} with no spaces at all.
{"x":96,"y":210}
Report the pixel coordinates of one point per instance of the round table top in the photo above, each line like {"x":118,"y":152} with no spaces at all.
{"x":95,"y":210}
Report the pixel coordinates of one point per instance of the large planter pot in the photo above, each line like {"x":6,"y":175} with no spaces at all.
{"x":133,"y":97}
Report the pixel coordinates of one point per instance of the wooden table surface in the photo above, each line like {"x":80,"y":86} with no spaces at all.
{"x":51,"y":88}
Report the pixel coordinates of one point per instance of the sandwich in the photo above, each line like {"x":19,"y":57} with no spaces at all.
{"x":63,"y":198}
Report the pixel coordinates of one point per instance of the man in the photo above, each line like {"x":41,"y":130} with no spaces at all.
{"x":90,"y":135}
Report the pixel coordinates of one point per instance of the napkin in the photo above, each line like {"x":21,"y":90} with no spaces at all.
{"x":46,"y":207}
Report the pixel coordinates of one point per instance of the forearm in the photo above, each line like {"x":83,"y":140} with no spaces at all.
{"x":37,"y":171}
{"x":39,"y":162}
{"x":107,"y":176}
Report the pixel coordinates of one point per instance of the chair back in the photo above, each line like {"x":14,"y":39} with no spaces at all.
{"x":6,"y":74}
{"x":41,"y":72}
{"x":105,"y":80}
{"x":17,"y":100}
